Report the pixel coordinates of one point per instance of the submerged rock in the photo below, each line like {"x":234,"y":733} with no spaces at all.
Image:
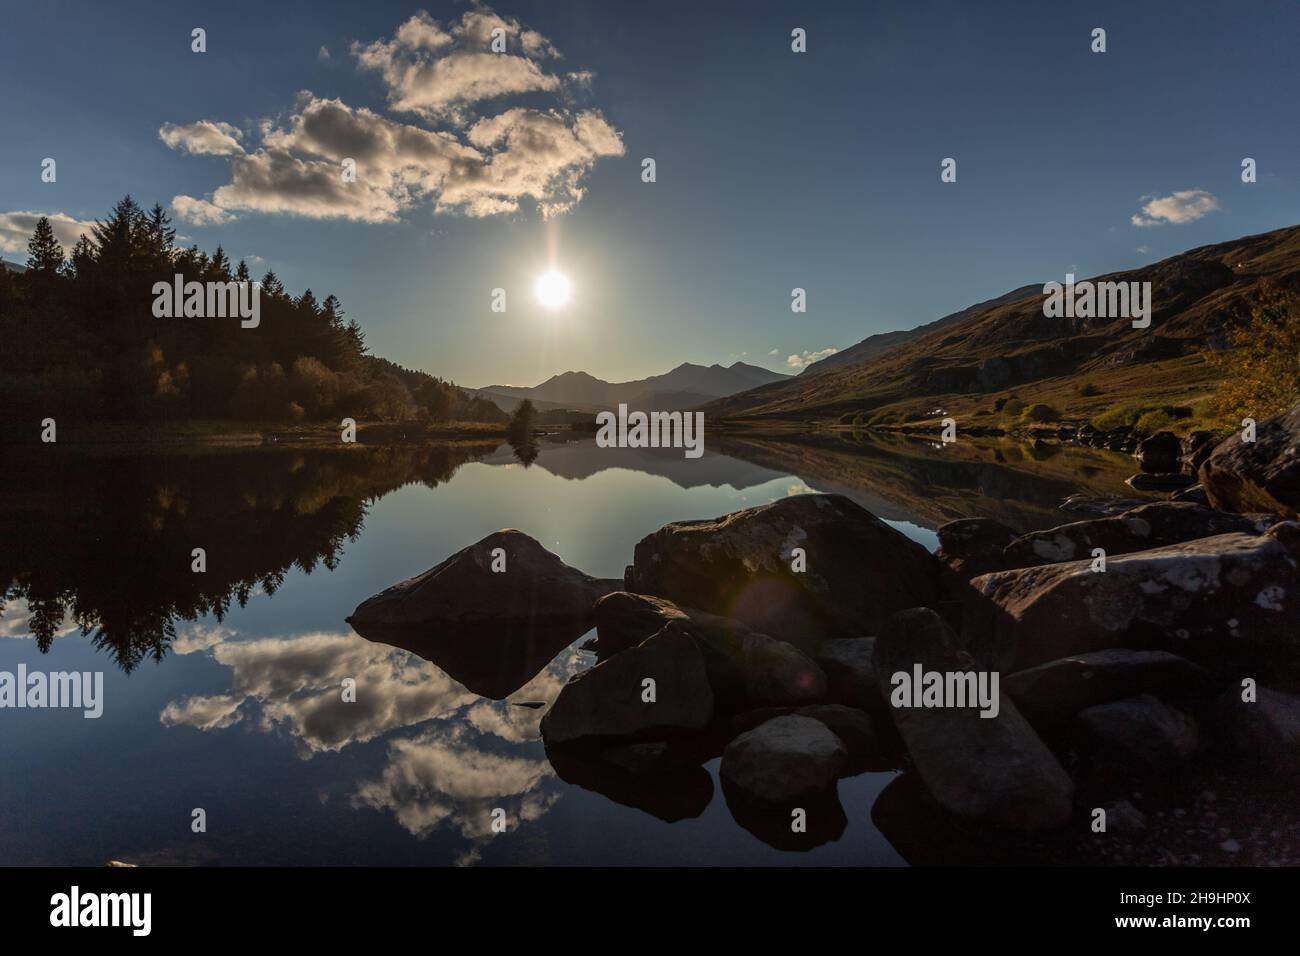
{"x":608,"y":700}
{"x":746,"y":669}
{"x":783,"y":761}
{"x":1228,"y":598}
{"x":1152,"y":525}
{"x":536,"y":586}
{"x":1263,"y":475}
{"x":991,"y":770}
{"x":859,"y":569}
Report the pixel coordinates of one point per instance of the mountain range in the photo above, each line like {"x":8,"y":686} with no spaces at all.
{"x":1007,"y":345}
{"x":686,"y":386}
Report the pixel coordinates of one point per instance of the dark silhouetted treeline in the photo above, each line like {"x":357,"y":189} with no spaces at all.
{"x":78,"y":338}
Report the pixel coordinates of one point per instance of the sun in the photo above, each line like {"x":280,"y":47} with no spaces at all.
{"x":553,"y":289}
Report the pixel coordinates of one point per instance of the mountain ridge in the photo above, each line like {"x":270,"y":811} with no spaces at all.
{"x":1008,"y":343}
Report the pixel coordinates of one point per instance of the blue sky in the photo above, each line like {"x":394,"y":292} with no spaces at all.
{"x":774,"y":169}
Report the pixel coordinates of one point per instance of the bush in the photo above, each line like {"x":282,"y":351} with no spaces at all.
{"x":1012,"y":406}
{"x":1261,"y":374}
{"x":1155,"y":421}
{"x":1087,"y":390}
{"x":1040,"y":412}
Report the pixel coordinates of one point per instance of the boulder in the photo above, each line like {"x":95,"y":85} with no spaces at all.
{"x":607,"y":700}
{"x":464,"y":590}
{"x":1148,"y":526}
{"x":1263,"y":475}
{"x":1264,"y":732}
{"x":852,"y":726}
{"x":850,"y":673}
{"x":746,"y":669}
{"x":1197,"y":447}
{"x":1159,"y":481}
{"x":973,"y":546}
{"x":990,"y":770}
{"x":859,"y":569}
{"x":1051,"y":694}
{"x":1139,"y":734}
{"x":1231,"y":598}
{"x":783,"y":761}
{"x":1099,"y":506}
{"x":1193,"y":493}
{"x":1160,"y":452}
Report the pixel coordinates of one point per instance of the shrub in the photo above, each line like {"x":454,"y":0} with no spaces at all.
{"x":1261,"y":374}
{"x":1040,"y":412}
{"x":1088,"y":389}
{"x":1012,"y":406}
{"x":1154,"y":421}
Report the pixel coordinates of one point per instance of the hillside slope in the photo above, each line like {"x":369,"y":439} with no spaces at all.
{"x":1009,"y":343}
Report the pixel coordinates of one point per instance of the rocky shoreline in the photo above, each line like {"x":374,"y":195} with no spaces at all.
{"x":1146,"y":643}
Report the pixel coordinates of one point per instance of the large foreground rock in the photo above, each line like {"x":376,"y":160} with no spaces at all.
{"x":746,"y":669}
{"x":464,"y":590}
{"x":607,"y":700}
{"x":1226,"y":599}
{"x":974,"y":546}
{"x":1052,"y":693}
{"x":850,"y":671}
{"x":994,"y":770}
{"x":1263,"y":475}
{"x":859,"y":569}
{"x":1148,"y":526}
{"x":783,"y":761}
{"x":1142,"y":735}
{"x":1264,"y":732}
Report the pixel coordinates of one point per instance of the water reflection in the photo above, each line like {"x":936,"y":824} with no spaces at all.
{"x":247,"y":705}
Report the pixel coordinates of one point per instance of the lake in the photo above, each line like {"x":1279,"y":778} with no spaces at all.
{"x":222,"y":689}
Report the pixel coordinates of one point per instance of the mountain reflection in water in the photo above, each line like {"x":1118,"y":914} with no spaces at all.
{"x":225,"y":685}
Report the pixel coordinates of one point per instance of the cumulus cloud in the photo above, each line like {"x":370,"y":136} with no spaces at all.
{"x":436,"y":72}
{"x":202,"y":138}
{"x":1185,"y":206}
{"x":804,"y":359}
{"x":17,"y":227}
{"x":199,"y":212}
{"x":475,"y":165}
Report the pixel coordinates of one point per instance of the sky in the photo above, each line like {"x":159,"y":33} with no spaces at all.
{"x":775,"y":170}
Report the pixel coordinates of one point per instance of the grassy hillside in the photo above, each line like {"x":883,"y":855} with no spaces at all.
{"x":1080,"y":366}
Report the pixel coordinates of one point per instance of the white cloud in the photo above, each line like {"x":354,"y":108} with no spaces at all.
{"x":1143,"y":249}
{"x":436,"y":72}
{"x":202,"y":138}
{"x":774,"y":352}
{"x":16,"y":229}
{"x":199,"y":212}
{"x":323,"y":53}
{"x":1182,"y":207}
{"x":803,"y":360}
{"x":478,"y":167}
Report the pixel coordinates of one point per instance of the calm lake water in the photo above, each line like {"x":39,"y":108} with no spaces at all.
{"x":222,"y":689}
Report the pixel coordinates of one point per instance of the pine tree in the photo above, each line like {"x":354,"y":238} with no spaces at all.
{"x":44,"y":254}
{"x":241,"y":273}
{"x":160,"y":237}
{"x":220,"y":265}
